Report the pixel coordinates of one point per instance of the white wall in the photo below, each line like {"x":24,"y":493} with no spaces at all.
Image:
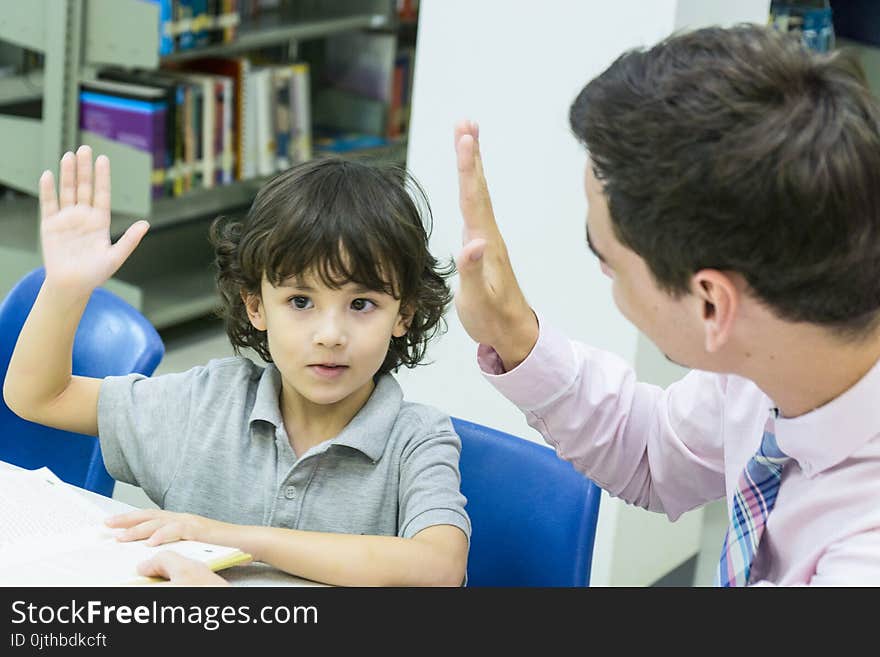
{"x":515,"y":67}
{"x":512,"y":70}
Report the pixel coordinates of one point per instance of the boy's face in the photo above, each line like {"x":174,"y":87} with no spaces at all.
{"x":671,"y":323}
{"x":327,"y":343}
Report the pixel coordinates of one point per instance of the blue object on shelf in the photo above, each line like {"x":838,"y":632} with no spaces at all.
{"x":812,"y":20}
{"x":113,"y":338}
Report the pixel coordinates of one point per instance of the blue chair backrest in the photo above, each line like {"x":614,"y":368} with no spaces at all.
{"x":113,"y":338}
{"x":533,"y":515}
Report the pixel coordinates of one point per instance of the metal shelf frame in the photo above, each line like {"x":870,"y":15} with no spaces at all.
{"x":79,"y":36}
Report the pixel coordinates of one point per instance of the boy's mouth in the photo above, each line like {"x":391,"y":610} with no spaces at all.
{"x":328,"y":370}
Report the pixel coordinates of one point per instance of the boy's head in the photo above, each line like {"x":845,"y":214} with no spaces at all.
{"x":737,"y":152}
{"x":331,"y":268}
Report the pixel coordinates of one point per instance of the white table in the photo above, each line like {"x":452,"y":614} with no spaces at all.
{"x":252,"y":574}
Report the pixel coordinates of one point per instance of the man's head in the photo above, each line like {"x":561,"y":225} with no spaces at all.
{"x":737,"y":158}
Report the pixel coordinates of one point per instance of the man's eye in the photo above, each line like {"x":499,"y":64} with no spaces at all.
{"x":362,"y":304}
{"x":300,"y":302}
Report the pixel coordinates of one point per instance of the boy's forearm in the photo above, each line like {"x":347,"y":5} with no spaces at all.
{"x":40,"y":367}
{"x":344,"y":559}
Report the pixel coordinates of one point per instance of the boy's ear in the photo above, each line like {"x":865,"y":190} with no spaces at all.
{"x":401,"y":326}
{"x":253,"y":303}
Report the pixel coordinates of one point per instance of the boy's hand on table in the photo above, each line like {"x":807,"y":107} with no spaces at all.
{"x":75,"y":225}
{"x":180,"y":571}
{"x":159,"y":527}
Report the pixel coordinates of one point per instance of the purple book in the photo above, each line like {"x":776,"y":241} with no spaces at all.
{"x":136,"y":123}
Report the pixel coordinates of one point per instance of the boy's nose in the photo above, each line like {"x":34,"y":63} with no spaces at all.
{"x":330,"y":333}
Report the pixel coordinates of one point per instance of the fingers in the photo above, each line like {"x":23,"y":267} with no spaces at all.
{"x":130,"y":519}
{"x":48,"y":199}
{"x":166,"y":534}
{"x":140,"y":531}
{"x":472,"y":283}
{"x":129,"y":241}
{"x":84,"y":175}
{"x":471,"y":255}
{"x":474,"y":201}
{"x":67,"y":183}
{"x":180,"y":570}
{"x":102,"y":184}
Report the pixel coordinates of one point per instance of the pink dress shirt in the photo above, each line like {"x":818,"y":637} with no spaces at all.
{"x":671,"y":450}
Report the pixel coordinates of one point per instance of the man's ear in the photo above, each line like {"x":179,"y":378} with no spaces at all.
{"x":253,"y":303}
{"x":719,"y":298}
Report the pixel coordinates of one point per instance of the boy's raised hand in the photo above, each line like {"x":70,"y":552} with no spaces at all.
{"x":489,"y":301}
{"x":75,"y":224}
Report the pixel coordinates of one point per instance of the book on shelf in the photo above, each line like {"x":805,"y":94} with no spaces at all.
{"x":52,"y":535}
{"x":260,"y":102}
{"x":174,"y":98}
{"x":187,"y":24}
{"x":237,"y":69}
{"x":362,"y":85}
{"x":130,"y":114}
{"x":292,"y":114}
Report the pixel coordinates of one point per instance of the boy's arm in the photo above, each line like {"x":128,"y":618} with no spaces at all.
{"x":436,"y":556}
{"x":78,"y":257}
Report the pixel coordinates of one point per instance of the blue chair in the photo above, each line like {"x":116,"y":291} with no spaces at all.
{"x":533,"y":515}
{"x":113,"y":338}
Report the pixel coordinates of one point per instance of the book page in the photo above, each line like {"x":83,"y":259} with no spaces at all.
{"x":50,"y":535}
{"x":35,"y":504}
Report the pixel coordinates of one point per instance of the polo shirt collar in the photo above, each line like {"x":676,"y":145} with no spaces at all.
{"x":266,"y":406}
{"x":367,"y":431}
{"x":826,"y":436}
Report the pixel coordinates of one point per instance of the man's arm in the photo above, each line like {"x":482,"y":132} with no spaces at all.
{"x":436,"y":556}
{"x":78,"y":257}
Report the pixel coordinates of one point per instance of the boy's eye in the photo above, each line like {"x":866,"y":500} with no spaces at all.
{"x":362,"y":304}
{"x":301,"y":302}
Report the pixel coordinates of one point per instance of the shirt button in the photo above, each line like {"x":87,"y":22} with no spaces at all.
{"x":290,"y":492}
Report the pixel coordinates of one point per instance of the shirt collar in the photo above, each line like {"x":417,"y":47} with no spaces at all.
{"x":367,"y":431}
{"x":824,"y":437}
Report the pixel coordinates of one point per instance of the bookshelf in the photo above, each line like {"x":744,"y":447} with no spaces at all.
{"x":170,"y":276}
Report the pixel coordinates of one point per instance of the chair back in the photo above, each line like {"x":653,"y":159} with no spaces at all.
{"x":533,"y":515}
{"x":113,"y":338}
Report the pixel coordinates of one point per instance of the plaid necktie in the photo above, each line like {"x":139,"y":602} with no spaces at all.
{"x":754,"y":499}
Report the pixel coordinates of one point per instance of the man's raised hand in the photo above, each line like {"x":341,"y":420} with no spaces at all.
{"x":489,"y":301}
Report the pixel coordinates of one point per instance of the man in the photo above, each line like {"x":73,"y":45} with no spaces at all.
{"x":733,"y":183}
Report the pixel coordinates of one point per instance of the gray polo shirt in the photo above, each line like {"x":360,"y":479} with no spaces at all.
{"x":211,"y":441}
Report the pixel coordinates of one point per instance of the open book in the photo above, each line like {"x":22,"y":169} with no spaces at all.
{"x":51,"y":535}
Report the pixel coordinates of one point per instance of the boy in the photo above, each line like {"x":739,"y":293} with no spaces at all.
{"x":734,"y":202}
{"x":313,"y":464}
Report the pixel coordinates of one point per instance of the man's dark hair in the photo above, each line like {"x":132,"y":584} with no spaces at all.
{"x":344,"y":221}
{"x":739,"y":149}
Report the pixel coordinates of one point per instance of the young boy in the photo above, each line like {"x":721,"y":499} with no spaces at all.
{"x":313,"y":463}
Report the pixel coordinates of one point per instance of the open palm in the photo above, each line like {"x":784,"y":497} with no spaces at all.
{"x":75,"y":224}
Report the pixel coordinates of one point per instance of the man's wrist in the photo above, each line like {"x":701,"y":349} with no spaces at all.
{"x":517,"y":342}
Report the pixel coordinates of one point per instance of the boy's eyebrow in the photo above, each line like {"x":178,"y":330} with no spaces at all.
{"x":299,"y":285}
{"x":592,"y":248}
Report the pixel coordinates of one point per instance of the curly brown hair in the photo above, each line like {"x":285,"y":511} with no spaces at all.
{"x":345,"y":221}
